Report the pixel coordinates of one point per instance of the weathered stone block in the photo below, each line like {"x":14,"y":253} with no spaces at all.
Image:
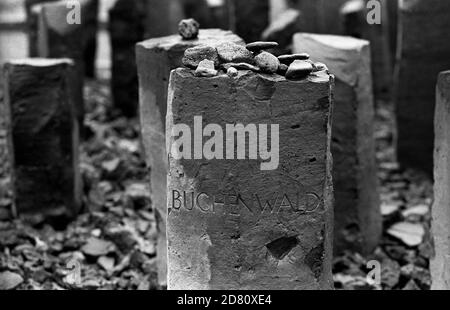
{"x":440,"y":263}
{"x":156,"y":58}
{"x":424,"y":50}
{"x":126,"y":27}
{"x":7,"y":209}
{"x":357,"y":212}
{"x":33,"y":25}
{"x":231,"y":224}
{"x":89,"y":21}
{"x":355,"y":15}
{"x":44,"y":136}
{"x":58,"y":39}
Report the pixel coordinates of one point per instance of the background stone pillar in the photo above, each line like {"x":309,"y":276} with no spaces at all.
{"x":424,"y":52}
{"x":358,"y":223}
{"x":89,"y":22}
{"x":249,"y":18}
{"x":233,"y":226}
{"x":156,"y":58}
{"x":354,"y":15}
{"x":126,"y":27}
{"x":33,"y":25}
{"x":43,"y":134}
{"x":440,"y":263}
{"x":59,"y":39}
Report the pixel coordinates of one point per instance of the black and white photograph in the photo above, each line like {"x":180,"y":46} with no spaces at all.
{"x":224,"y":145}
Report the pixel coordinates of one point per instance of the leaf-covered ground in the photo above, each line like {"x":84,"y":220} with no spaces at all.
{"x":114,"y":240}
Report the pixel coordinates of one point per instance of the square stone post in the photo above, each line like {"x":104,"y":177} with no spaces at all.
{"x":56,"y":38}
{"x":245,"y":224}
{"x":440,"y":271}
{"x":43,"y":133}
{"x":358,"y":224}
{"x":424,"y":51}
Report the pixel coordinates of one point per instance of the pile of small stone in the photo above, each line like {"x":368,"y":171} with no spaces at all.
{"x":230,"y":57}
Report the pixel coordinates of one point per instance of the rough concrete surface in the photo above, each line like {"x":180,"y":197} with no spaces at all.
{"x":232,"y":225}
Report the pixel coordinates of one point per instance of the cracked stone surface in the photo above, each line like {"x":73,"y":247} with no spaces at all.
{"x":233,"y":226}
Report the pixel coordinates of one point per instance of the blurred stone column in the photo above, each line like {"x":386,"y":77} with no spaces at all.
{"x":156,"y":58}
{"x":320,"y":16}
{"x":43,"y":134}
{"x":198,"y":10}
{"x":127,"y":27}
{"x":354,"y":15}
{"x":231,"y":225}
{"x":59,"y":39}
{"x":249,"y":18}
{"x":358,"y":223}
{"x":33,"y":25}
{"x":441,"y":208}
{"x":89,"y":22}
{"x":424,"y":52}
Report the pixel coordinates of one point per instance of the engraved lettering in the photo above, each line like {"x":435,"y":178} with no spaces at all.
{"x":177,"y":198}
{"x":267,"y":204}
{"x":312,"y":200}
{"x":198,"y":202}
{"x":192,"y":201}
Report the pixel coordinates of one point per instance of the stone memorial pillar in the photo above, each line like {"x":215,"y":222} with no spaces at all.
{"x":441,"y":208}
{"x":320,"y":16}
{"x":236,"y":219}
{"x":7,"y":209}
{"x":127,"y":27}
{"x":249,"y":18}
{"x":43,"y":133}
{"x":358,"y":223}
{"x":89,"y":21}
{"x":32,"y":25}
{"x":354,"y":15}
{"x":392,"y":9}
{"x":56,"y":38}
{"x":424,"y":52}
{"x":156,"y":58}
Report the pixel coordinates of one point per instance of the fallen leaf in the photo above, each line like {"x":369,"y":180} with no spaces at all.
{"x":419,"y":210}
{"x":96,"y":233}
{"x":111,"y":165}
{"x":107,"y":263}
{"x":128,"y":145}
{"x":390,"y":273}
{"x":10,"y":280}
{"x":144,"y":285}
{"x":409,"y":233}
{"x":389,"y":208}
{"x":97,"y":247}
{"x":139,"y":193}
{"x":411,"y":286}
{"x":419,"y":274}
